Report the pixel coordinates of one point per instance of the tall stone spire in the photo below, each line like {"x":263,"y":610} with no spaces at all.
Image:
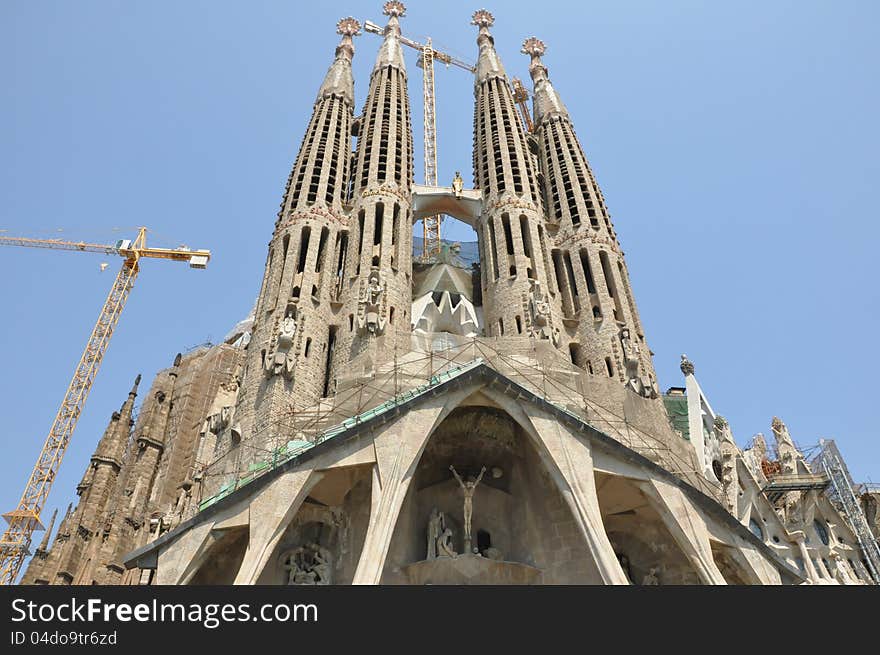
{"x":390,"y":52}
{"x":294,"y":326}
{"x":546,"y":102}
{"x":590,"y":272}
{"x":95,"y":490}
{"x":35,"y":569}
{"x":339,"y":80}
{"x":112,"y":446}
{"x":377,"y":275}
{"x":44,"y":544}
{"x":488,"y":62}
{"x":519,"y":298}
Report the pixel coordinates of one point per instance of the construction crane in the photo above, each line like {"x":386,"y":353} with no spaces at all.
{"x":430,"y":224}
{"x":521,"y":97}
{"x":25,"y":519}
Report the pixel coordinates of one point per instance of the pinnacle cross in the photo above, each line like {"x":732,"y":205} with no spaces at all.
{"x":483,"y":19}
{"x":534,"y":47}
{"x":394,"y":8}
{"x":348,"y":27}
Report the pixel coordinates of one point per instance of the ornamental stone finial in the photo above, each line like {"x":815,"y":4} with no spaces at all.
{"x":777,"y":424}
{"x":483,"y":19}
{"x":533,"y":47}
{"x":687,"y":366}
{"x":394,"y":8}
{"x":348,"y":27}
{"x":720,"y":422}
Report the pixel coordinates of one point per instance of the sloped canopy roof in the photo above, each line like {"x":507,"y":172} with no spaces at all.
{"x":476,"y":372}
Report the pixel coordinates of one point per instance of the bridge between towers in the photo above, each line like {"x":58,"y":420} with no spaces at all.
{"x":465,"y":205}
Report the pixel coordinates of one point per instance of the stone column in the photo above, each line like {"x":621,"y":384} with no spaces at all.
{"x":573,"y":460}
{"x":270,"y":513}
{"x":800,"y":539}
{"x":686,"y":526}
{"x":398,"y":450}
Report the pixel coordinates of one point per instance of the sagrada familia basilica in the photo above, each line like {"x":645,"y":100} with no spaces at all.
{"x":492,"y":418}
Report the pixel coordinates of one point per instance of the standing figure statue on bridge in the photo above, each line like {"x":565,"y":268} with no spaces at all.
{"x":457,"y":184}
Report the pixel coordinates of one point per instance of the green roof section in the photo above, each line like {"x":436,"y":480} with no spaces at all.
{"x":677,"y":410}
{"x":296,"y":447}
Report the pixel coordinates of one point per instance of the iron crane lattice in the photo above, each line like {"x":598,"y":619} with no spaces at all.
{"x":24,"y":520}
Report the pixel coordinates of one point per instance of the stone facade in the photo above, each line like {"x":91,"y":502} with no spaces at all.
{"x":378,"y":421}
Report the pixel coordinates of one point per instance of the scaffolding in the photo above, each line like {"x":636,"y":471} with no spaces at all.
{"x":423,"y":361}
{"x":841,"y":492}
{"x":779,"y":484}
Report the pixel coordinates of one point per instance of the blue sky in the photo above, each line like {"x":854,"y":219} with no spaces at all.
{"x":735,"y":144}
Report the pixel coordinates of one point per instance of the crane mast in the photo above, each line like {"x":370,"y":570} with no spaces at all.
{"x":521,"y":97}
{"x":25,"y":519}
{"x":430,"y":224}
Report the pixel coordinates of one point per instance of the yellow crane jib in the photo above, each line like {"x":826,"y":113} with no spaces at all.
{"x":24,"y":520}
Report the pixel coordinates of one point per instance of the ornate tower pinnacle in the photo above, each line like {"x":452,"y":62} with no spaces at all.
{"x":488,"y":63}
{"x":546,"y":101}
{"x":483,"y":19}
{"x":339,"y":80}
{"x":348,"y":27}
{"x":534,"y":47}
{"x":44,"y":544}
{"x":394,"y":9}
{"x":390,"y":53}
{"x":687,"y":366}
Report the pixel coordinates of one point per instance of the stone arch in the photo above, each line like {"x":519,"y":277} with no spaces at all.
{"x":728,"y":561}
{"x":223,"y":558}
{"x":637,"y":532}
{"x":322,"y":541}
{"x":534,"y":535}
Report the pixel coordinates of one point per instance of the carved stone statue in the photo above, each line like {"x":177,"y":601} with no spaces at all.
{"x":630,"y":352}
{"x":281,"y":362}
{"x":630,"y":355}
{"x":651,"y":579}
{"x":308,"y":565}
{"x":642,"y":385}
{"x":468,"y":488}
{"x":624,"y":564}
{"x":444,"y":544}
{"x":370,"y":305}
{"x":435,"y":528}
{"x":687,"y":366}
{"x":539,"y":312}
{"x":321,"y":563}
{"x":729,"y":475}
{"x":457,"y":184}
{"x":785,"y":446}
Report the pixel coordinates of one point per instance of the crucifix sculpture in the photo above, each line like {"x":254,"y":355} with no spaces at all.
{"x":468,"y":488}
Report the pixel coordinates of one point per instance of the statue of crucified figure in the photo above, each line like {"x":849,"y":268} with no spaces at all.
{"x":468,"y":488}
